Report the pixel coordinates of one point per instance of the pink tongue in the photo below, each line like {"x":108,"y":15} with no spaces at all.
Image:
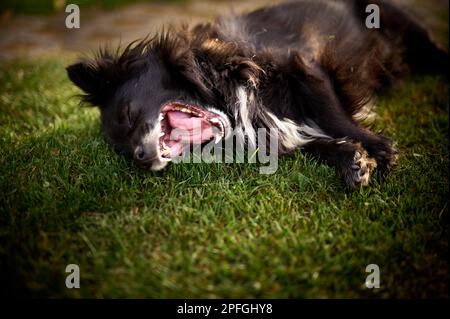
{"x":187,"y":128}
{"x":183,"y":120}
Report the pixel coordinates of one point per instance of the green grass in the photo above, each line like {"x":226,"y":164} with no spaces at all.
{"x":212,"y":230}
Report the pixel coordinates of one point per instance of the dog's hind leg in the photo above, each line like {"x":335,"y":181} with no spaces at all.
{"x":399,"y":27}
{"x":349,"y":158}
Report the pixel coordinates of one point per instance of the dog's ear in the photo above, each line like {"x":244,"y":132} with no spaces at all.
{"x":84,"y":75}
{"x":96,"y":78}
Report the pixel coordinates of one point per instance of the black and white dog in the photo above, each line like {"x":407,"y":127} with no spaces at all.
{"x":307,"y":68}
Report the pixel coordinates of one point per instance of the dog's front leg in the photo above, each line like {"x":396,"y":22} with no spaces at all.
{"x":350,"y":159}
{"x":328,"y":113}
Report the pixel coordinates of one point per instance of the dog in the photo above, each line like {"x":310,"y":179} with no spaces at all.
{"x":310,"y":69}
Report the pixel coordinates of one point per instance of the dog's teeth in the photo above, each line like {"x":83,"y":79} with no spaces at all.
{"x":214,"y":120}
{"x":161,"y":117}
{"x":217,"y":138}
{"x":165,"y":147}
{"x":162,"y":134}
{"x":165,"y":151}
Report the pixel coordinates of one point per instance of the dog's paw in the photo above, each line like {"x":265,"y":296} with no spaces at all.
{"x":387,"y":158}
{"x":385,"y":153}
{"x":357,"y":172}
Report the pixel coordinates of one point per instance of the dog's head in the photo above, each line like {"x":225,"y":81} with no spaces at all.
{"x":153,"y":100}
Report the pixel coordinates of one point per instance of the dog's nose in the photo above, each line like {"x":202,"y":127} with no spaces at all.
{"x":143,"y":155}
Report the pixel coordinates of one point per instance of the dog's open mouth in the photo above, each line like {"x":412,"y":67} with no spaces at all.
{"x":185,"y":124}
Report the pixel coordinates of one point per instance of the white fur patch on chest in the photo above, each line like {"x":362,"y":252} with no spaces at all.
{"x":291,"y":134}
{"x":242,"y":116}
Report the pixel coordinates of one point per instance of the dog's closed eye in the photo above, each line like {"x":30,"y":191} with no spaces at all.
{"x":129,"y":117}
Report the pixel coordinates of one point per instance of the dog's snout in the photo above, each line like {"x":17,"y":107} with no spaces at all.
{"x":139,"y":153}
{"x":143,"y":155}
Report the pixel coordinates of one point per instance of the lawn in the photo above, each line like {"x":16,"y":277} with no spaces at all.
{"x":213,"y":230}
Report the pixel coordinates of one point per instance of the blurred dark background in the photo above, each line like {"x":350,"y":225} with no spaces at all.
{"x":49,"y":6}
{"x":37,"y":28}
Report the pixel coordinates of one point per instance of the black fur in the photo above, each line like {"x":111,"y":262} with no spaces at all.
{"x":311,"y":62}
